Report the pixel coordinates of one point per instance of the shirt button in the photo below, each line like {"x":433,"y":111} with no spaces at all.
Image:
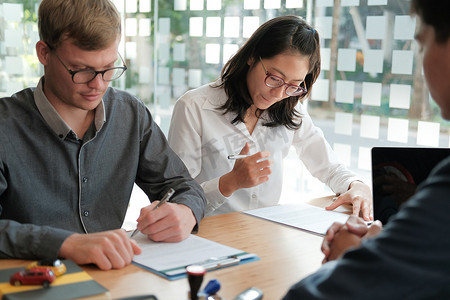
{"x":253,"y":196}
{"x":85,"y":179}
{"x":85,"y":213}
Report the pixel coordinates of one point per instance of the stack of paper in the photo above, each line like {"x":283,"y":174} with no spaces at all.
{"x":304,"y":216}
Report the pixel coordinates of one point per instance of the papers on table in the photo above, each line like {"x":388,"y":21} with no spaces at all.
{"x":170,"y":259}
{"x":304,"y":216}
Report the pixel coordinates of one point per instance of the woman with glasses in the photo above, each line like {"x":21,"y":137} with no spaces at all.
{"x":255,"y":111}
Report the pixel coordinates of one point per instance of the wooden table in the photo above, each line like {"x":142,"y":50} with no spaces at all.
{"x":286,"y":255}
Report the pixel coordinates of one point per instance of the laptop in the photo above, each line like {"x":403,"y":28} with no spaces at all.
{"x":400,"y":170}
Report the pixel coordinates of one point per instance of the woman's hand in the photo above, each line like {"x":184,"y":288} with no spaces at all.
{"x":360,"y":197}
{"x":247,"y":172}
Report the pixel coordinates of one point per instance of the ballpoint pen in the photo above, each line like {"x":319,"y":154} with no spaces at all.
{"x":164,"y":199}
{"x":238,"y":156}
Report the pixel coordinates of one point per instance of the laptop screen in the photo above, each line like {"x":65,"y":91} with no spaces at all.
{"x":396,"y":173}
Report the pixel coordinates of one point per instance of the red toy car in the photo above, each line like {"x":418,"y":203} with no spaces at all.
{"x":33,"y":276}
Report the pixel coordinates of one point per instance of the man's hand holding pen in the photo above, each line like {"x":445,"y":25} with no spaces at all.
{"x":170,"y":222}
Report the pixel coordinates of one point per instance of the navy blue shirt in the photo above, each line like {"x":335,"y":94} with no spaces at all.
{"x":410,"y":259}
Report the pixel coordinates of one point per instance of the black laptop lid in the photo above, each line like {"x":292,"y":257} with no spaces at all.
{"x":396,"y":172}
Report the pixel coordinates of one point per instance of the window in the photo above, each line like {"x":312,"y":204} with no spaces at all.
{"x":371,"y":90}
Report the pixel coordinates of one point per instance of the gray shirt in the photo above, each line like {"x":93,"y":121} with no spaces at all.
{"x":53,"y":184}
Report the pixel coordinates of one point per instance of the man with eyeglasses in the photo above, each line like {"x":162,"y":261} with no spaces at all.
{"x":255,"y":110}
{"x":72,"y":148}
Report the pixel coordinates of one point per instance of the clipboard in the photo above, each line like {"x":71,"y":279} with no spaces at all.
{"x":169,"y":260}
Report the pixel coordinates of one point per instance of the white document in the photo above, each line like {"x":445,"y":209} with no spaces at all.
{"x":171,"y":258}
{"x":304,"y":216}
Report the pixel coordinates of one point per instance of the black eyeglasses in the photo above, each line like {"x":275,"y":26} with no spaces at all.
{"x":275,"y":81}
{"x":87,"y":75}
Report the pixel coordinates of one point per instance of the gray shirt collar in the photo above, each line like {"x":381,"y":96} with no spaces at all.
{"x":54,"y":120}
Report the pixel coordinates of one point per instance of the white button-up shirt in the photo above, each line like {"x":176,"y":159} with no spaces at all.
{"x":203,"y":137}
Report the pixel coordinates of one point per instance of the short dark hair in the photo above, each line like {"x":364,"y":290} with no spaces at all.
{"x":276,"y":36}
{"x":436,"y":14}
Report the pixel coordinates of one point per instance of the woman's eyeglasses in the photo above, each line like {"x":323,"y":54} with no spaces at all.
{"x":275,"y":81}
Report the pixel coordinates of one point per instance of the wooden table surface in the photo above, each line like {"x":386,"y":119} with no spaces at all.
{"x":286,"y":255}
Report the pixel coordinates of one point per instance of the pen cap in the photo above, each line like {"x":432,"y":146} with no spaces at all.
{"x":195,"y":275}
{"x":212,"y":287}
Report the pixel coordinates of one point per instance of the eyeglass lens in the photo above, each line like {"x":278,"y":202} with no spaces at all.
{"x":291,"y":90}
{"x":84,"y":76}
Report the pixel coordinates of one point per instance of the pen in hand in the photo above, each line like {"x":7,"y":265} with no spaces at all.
{"x":164,"y":199}
{"x":237,"y":156}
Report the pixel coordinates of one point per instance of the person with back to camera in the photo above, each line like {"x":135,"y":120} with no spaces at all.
{"x":72,"y":148}
{"x":255,"y":109}
{"x":410,"y":257}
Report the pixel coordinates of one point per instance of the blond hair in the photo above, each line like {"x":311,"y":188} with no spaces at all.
{"x":89,"y":24}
